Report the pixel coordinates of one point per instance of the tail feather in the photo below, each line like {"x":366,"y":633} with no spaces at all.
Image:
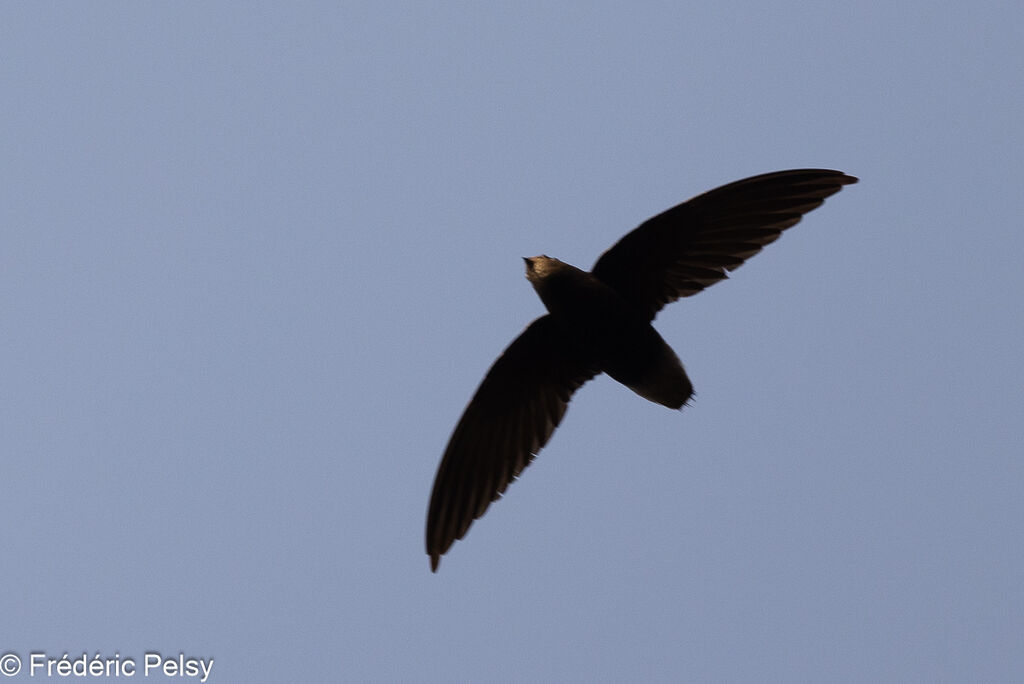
{"x":652,"y":370}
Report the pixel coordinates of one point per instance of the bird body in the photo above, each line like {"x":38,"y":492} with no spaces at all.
{"x":600,"y":321}
{"x":614,"y":335}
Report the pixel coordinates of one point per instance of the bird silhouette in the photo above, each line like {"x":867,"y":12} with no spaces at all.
{"x":601,"y":322}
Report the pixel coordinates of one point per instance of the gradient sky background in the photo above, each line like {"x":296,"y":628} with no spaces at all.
{"x":256,"y":258}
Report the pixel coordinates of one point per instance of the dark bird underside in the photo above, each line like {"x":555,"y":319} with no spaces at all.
{"x":601,"y":322}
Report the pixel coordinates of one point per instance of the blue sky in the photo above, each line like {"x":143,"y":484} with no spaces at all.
{"x":256,"y":259}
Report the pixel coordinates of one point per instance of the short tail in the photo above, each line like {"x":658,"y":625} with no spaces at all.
{"x":654,"y":372}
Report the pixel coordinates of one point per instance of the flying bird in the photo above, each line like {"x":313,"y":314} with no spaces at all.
{"x":600,"y":322}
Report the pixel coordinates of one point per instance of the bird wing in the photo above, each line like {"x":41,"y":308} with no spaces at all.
{"x":683,"y":250}
{"x":510,"y":418}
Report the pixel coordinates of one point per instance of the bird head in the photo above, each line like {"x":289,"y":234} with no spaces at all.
{"x":540,"y":267}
